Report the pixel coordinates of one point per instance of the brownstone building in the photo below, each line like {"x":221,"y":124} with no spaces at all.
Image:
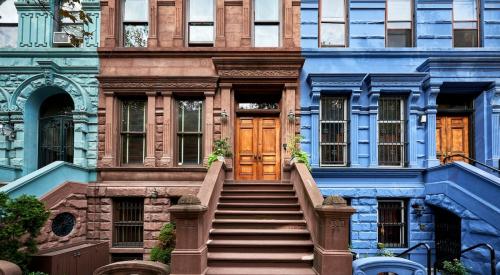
{"x":175,"y":75}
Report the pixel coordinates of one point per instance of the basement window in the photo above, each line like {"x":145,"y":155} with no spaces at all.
{"x":128,"y":222}
{"x":392,"y":223}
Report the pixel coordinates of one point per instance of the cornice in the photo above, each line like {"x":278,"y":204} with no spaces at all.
{"x":208,"y":52}
{"x":407,"y":52}
{"x":350,"y":172}
{"x":148,"y":83}
{"x":464,"y":63}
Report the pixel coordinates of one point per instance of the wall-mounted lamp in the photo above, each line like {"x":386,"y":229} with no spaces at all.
{"x":418,"y":208}
{"x":284,"y":146}
{"x":224,"y":116}
{"x":423,"y":119}
{"x":8,"y":131}
{"x":154,"y":194}
{"x":291,"y":116}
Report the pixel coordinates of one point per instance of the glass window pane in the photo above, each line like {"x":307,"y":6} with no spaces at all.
{"x":135,"y":11}
{"x":465,"y":25}
{"x":332,"y":132}
{"x":8,"y":36}
{"x":399,"y":25}
{"x":133,"y":148}
{"x":332,"y":109}
{"x":464,"y":10}
{"x":8,"y":12}
{"x":333,"y":154}
{"x":399,"y":38}
{"x":190,"y":116}
{"x":465,"y":38}
{"x":190,"y":149}
{"x":201,"y":10}
{"x":332,"y":34}
{"x":333,"y":10}
{"x":267,"y":10}
{"x":201,"y":34}
{"x":267,"y":36}
{"x":399,"y":10}
{"x":135,"y":35}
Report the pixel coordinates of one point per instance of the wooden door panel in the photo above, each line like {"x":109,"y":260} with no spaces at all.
{"x":246,"y":168}
{"x":452,"y":136}
{"x":269,"y":149}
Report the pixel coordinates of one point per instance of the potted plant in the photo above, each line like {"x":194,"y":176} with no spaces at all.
{"x":298,"y":155}
{"x":454,"y":267}
{"x":221,"y":150}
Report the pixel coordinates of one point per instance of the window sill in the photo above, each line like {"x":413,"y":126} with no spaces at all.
{"x":128,"y":250}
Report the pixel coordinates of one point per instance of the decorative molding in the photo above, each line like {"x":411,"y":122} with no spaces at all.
{"x":265,"y":67}
{"x":238,"y":3}
{"x":166,"y":3}
{"x":155,"y":83}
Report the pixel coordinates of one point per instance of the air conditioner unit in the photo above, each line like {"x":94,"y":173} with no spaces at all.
{"x":61,"y":39}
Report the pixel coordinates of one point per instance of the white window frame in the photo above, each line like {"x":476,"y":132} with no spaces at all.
{"x":269,"y":23}
{"x":125,"y":150}
{"x":201,"y":23}
{"x":412,"y":24}
{"x":345,"y":22}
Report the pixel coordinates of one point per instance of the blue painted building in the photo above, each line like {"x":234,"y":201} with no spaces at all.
{"x":48,"y":97}
{"x":390,"y":92}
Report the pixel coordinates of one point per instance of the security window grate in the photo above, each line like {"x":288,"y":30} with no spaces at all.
{"x":391,"y":131}
{"x":392,"y":226}
{"x":128,"y":222}
{"x":333,"y":127}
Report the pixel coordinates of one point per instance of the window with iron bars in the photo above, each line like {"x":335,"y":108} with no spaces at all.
{"x":333,"y":127}
{"x":392,"y":224}
{"x":128,"y":222}
{"x":391,"y":131}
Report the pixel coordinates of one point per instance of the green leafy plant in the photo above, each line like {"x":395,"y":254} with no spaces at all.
{"x":21,"y":220}
{"x":162,"y":252}
{"x":454,"y":267}
{"x":382,"y":251}
{"x":221,"y":149}
{"x":296,"y":153}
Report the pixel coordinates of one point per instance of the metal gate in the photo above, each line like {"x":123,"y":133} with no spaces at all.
{"x":448,"y":236}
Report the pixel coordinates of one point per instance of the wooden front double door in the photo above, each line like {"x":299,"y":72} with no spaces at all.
{"x":452,"y":136}
{"x":258,"y":148}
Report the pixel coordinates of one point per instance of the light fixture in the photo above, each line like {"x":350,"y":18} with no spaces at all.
{"x":423,"y":119}
{"x":223,"y":116}
{"x":154,"y":194}
{"x":8,"y":131}
{"x":284,"y":146}
{"x":291,"y":116}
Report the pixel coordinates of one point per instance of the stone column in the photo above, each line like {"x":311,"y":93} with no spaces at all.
{"x":289,"y":126}
{"x":373,"y":111}
{"x":4,"y":142}
{"x":209,"y":125}
{"x":246,"y":39}
{"x":179,"y":24}
{"x":111,"y":35}
{"x":354,"y":128}
{"x":226,"y":128}
{"x":150,"y":130}
{"x":220,"y":39}
{"x":431,"y":112}
{"x":109,"y":159}
{"x":288,"y":24}
{"x":412,"y":131}
{"x":495,"y":126}
{"x":331,"y":251}
{"x":80,"y":145}
{"x":153,"y":24}
{"x":190,"y":254}
{"x":19,"y":145}
{"x":166,"y":158}
{"x":315,"y":131}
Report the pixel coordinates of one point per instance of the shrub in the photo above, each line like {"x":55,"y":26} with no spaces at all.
{"x":221,"y":149}
{"x":162,"y":252}
{"x":382,"y":251}
{"x":296,"y":153}
{"x":20,"y":222}
{"x":454,"y":267}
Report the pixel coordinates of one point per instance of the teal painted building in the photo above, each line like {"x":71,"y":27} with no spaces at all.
{"x":48,"y":96}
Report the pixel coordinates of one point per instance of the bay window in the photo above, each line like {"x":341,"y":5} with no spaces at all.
{"x":201,"y":22}
{"x":333,"y":23}
{"x":399,"y":23}
{"x":189,"y":132}
{"x":267,"y":23}
{"x":465,"y":23}
{"x":135,"y":23}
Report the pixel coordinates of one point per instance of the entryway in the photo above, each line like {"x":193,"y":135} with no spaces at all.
{"x":448,"y":235}
{"x":258,"y":148}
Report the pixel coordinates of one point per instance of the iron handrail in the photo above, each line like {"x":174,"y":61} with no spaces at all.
{"x":471,"y":159}
{"x":427,"y":247}
{"x":492,"y":255}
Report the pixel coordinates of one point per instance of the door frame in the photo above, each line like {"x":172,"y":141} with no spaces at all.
{"x":253,"y":114}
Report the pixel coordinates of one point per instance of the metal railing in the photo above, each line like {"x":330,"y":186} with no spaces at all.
{"x":492,"y":255}
{"x":427,"y":247}
{"x":473,"y":161}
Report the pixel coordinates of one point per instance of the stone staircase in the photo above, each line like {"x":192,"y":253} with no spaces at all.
{"x":259,"y":228}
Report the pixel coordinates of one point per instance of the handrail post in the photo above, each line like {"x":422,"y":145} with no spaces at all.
{"x":492,"y":255}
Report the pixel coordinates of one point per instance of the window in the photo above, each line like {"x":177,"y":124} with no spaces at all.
{"x":399,"y":22}
{"x":189,"y":131}
{"x":65,"y":24}
{"x":128,"y":222}
{"x":333,"y":27}
{"x":333,"y":127}
{"x":133,"y":131}
{"x":201,"y":22}
{"x":465,"y":23}
{"x":135,"y":23}
{"x":267,"y":23}
{"x":8,"y":24}
{"x":391,"y":131}
{"x":392,"y":226}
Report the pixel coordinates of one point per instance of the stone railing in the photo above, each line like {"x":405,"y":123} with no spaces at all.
{"x":193,"y":216}
{"x":8,"y":268}
{"x":328,"y":222}
{"x":383,"y":265}
{"x":133,"y":267}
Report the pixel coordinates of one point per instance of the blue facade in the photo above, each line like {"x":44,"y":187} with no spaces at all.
{"x":364,"y":71}
{"x":37,"y":69}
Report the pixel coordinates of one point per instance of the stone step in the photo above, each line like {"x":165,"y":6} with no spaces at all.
{"x":259,"y":206}
{"x":257,"y":186}
{"x":259,"y":234}
{"x":286,"y":193}
{"x":261,"y":215}
{"x":259,"y":260}
{"x":257,"y":246}
{"x":258,"y":199}
{"x":258,"y":224}
{"x":260,"y":271}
